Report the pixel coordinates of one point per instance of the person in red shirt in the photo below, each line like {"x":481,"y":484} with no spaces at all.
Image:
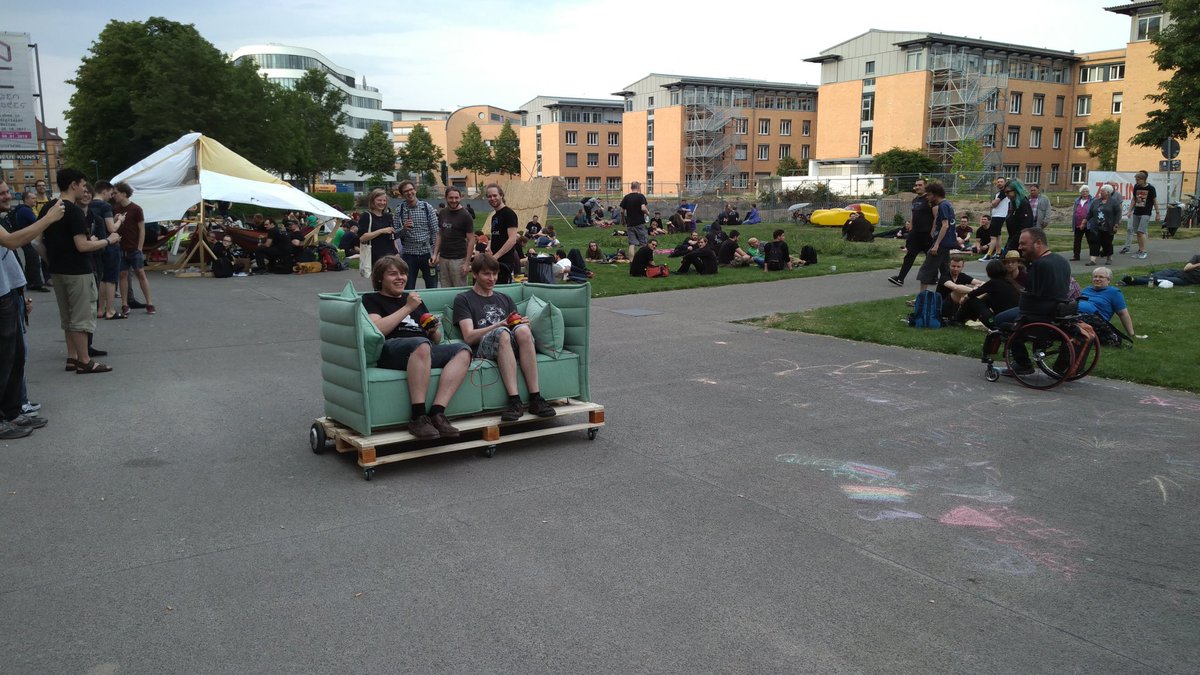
{"x":133,"y":237}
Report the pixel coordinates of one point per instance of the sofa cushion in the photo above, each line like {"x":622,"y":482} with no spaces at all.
{"x":546,"y":322}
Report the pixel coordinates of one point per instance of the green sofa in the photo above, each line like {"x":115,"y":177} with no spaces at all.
{"x":366,"y":398}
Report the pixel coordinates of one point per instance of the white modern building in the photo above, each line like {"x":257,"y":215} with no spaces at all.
{"x":285,"y":65}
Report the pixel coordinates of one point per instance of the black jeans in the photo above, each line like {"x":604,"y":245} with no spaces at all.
{"x":33,"y":267}
{"x":1100,"y":243}
{"x":419,"y":261}
{"x":12,"y":353}
{"x":1079,"y":235}
{"x":918,"y":242}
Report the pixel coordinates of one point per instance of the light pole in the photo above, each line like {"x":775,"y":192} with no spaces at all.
{"x":96,"y":165}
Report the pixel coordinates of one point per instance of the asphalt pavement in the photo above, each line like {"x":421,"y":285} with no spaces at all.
{"x":759,"y":501}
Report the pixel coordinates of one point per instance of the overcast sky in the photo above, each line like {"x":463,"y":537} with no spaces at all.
{"x":438,"y":55}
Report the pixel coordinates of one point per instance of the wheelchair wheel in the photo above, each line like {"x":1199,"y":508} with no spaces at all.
{"x":1086,"y":359}
{"x":1050,"y":354}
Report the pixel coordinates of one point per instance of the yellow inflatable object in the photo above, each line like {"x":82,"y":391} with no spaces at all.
{"x":838,"y":217}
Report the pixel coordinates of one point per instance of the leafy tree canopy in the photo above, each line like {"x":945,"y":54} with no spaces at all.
{"x":472,"y":153}
{"x":788,"y":166}
{"x":506,"y":152}
{"x":1178,"y":51}
{"x":419,"y":155}
{"x":898,"y":161}
{"x":373,"y":155}
{"x":1103,"y":139}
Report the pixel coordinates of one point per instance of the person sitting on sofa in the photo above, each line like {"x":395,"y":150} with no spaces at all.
{"x":490,"y":324}
{"x":412,"y":345}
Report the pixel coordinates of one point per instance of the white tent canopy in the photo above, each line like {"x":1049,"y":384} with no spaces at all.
{"x":172,"y":180}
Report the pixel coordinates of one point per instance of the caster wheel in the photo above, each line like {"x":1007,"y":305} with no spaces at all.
{"x":592,"y":433}
{"x":317,"y":439}
{"x":489,"y":451}
{"x":992,"y":375}
{"x":368,"y":474}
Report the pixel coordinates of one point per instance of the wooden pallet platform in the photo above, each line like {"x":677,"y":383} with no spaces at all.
{"x":493,"y":433}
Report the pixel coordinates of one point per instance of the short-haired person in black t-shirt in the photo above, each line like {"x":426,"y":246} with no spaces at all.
{"x":643,"y":258}
{"x":69,"y":244}
{"x":504,"y":239}
{"x":412,"y":335}
{"x":490,"y":324}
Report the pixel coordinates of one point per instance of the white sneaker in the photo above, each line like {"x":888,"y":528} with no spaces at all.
{"x":30,"y":408}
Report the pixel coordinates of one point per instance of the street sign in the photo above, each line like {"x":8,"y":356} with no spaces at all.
{"x":1169,"y":165}
{"x":1170,"y":149}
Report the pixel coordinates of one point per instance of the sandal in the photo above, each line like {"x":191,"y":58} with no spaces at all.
{"x":92,"y":367}
{"x":72,"y":364}
{"x":115,"y":317}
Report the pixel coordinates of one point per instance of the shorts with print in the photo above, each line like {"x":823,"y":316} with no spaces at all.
{"x":489,"y":346}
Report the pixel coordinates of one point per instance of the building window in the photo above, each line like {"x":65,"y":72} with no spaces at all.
{"x":1078,"y":173}
{"x":628,"y":108}
{"x":785,"y":127}
{"x":804,"y":151}
{"x":651,"y":103}
{"x":743,"y":180}
{"x":614,"y":159}
{"x":572,"y":138}
{"x":806,"y":128}
{"x":1081,"y":138}
{"x":1148,"y":27}
{"x":572,"y":159}
{"x":1116,"y":71}
{"x":864,"y":143}
{"x":764,"y":127}
{"x":1083,"y":106}
{"x":649,"y":130}
{"x":650,"y":156}
{"x":1039,"y":105}
{"x":764,"y":152}
{"x":614,"y":138}
{"x":1091,"y":74}
{"x":1057,"y":142}
{"x":741,"y":126}
{"x":1060,"y":104}
{"x":869,"y":70}
{"x":614,"y":184}
{"x":1014,"y":137}
{"x":912,"y":61}
{"x":1033,"y":173}
{"x":675,"y":97}
{"x":741,"y":152}
{"x":1010,"y":169}
{"x":785,"y":150}
{"x":1118,"y":100}
{"x":573,"y":184}
{"x":992,"y":103}
{"x":1054,"y":174}
{"x":989,"y":138}
{"x":593,"y":138}
{"x":868,"y":108}
{"x":1035,"y":137}
{"x":1014,"y":103}
{"x":593,"y":184}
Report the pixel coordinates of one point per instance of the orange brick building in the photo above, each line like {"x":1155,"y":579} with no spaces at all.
{"x":578,"y":139}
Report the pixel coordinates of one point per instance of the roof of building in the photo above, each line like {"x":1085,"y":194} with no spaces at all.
{"x":957,"y":40}
{"x":46,"y":133}
{"x":679,"y":80}
{"x":569,"y":100}
{"x":1132,"y":8}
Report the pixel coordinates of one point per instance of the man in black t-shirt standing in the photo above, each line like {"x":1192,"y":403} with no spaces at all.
{"x":920,"y":236}
{"x":413,"y":335}
{"x":636,"y":209}
{"x":504,"y":236}
{"x":69,"y":244}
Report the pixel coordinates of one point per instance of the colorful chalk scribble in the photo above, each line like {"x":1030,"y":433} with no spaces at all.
{"x":875,"y":493}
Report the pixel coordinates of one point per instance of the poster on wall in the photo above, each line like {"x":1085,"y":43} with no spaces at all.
{"x":1125,"y":181}
{"x":18,"y":125}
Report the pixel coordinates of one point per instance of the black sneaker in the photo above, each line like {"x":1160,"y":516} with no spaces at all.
{"x":443,"y":426}
{"x":541,"y":408}
{"x":1019,"y":369}
{"x":8,"y":431}
{"x":135,"y":304}
{"x":24,"y":421}
{"x":896,"y":281}
{"x":423,"y":428}
{"x":92,"y":351}
{"x":513,"y":412}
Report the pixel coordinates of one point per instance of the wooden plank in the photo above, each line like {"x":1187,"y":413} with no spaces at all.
{"x":466,"y":445}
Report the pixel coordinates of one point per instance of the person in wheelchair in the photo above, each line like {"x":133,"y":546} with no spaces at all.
{"x":1045,"y":294}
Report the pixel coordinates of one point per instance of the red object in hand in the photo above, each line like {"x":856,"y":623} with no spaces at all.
{"x":428,"y":321}
{"x":515,"y":319}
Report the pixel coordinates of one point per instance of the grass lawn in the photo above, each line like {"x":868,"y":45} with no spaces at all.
{"x":1167,"y":358}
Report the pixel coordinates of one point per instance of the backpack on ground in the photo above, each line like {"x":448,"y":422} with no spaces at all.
{"x":541,"y":270}
{"x":222,"y":268}
{"x":808,"y":254}
{"x":773,"y":256}
{"x":927,"y":311}
{"x":329,"y":259}
{"x":656,"y":271}
{"x":1106,"y":333}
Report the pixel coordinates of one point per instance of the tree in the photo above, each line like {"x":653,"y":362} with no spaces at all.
{"x":473,"y":154}
{"x":1179,"y":114}
{"x":506,"y":152}
{"x":373,"y":155}
{"x":419,"y":155}
{"x":144,"y":84}
{"x":897,"y":161}
{"x":319,"y":147}
{"x":1103,"y":139}
{"x":788,"y":166}
{"x":445,"y":171}
{"x":969,"y":158}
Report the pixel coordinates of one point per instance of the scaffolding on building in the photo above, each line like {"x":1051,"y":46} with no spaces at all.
{"x":706,"y":141}
{"x":967,"y":102}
